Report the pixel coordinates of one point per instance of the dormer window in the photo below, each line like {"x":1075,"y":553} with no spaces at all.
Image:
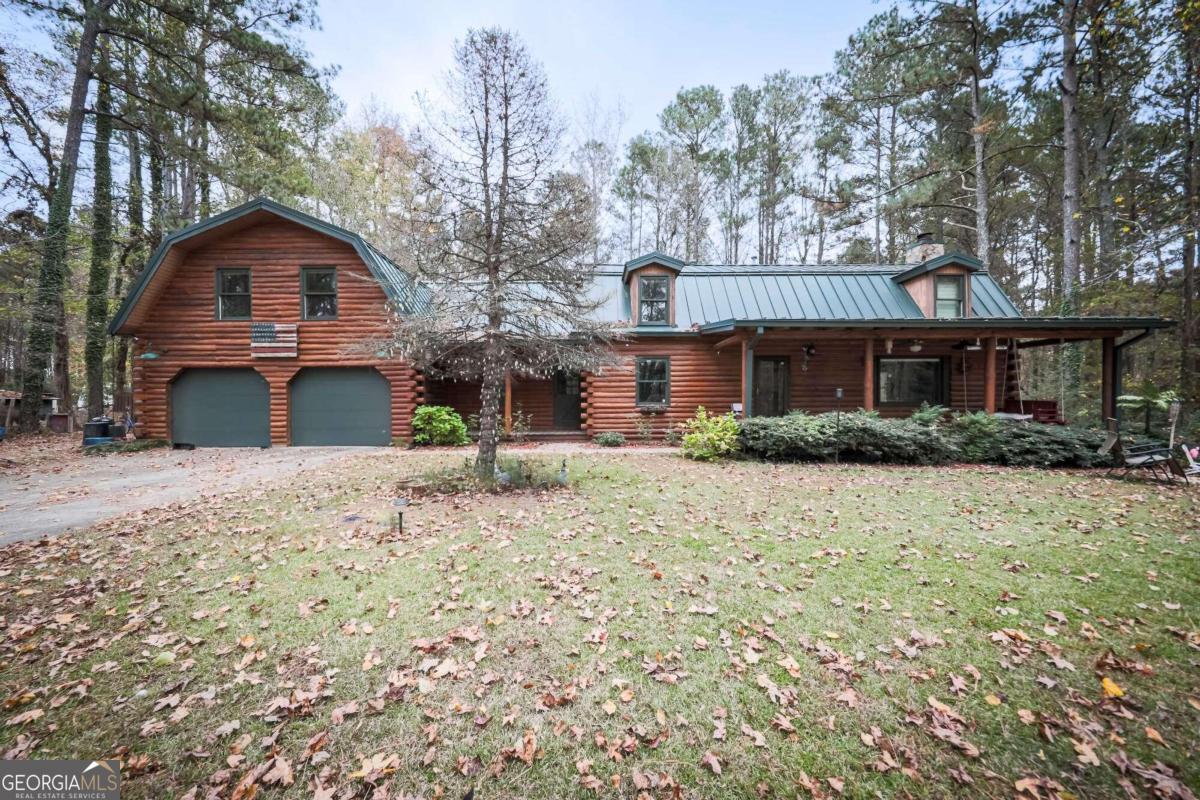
{"x":950,"y":296}
{"x":654,"y":298}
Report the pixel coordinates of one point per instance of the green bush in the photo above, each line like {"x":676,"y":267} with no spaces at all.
{"x":133,"y":446}
{"x":609,"y":439}
{"x":707,"y":438}
{"x":438,"y":425}
{"x":979,"y":437}
{"x":984,"y":439}
{"x":860,"y":436}
{"x":928,"y":415}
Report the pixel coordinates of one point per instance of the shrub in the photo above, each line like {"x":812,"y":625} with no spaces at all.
{"x":644,"y":425}
{"x":132,"y":446}
{"x":673,"y":436}
{"x":860,"y":436}
{"x":438,"y":425}
{"x":1017,"y":444}
{"x":511,"y":473}
{"x":708,"y":438}
{"x":609,"y":439}
{"x":522,"y":424}
{"x":928,"y":415}
{"x":978,"y":436}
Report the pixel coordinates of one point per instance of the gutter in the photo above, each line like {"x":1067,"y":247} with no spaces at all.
{"x":1121,"y":323}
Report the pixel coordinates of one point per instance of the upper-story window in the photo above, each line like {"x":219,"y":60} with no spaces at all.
{"x":950,"y":296}
{"x":319,"y":287}
{"x":233,"y":294}
{"x":654,"y":300}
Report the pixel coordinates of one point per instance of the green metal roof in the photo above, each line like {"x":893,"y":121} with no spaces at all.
{"x":408,"y":295}
{"x":708,"y":294}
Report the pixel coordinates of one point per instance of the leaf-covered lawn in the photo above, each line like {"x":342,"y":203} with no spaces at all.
{"x":660,"y":629}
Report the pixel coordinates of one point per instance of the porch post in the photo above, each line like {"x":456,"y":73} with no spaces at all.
{"x":507,"y":402}
{"x":747,"y":378}
{"x":989,"y":375}
{"x":1108,"y":383}
{"x":869,"y":375}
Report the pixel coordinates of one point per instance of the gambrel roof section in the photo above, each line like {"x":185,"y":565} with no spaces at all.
{"x":408,"y":295}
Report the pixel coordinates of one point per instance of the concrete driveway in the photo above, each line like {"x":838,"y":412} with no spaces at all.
{"x":86,"y":491}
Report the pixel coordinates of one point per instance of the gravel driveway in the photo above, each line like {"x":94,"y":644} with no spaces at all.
{"x":86,"y":491}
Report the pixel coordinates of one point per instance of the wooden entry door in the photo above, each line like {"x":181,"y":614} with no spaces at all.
{"x":567,"y":415}
{"x":772,"y":386}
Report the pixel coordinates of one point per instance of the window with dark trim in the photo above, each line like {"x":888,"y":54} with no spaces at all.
{"x":654,"y":299}
{"x":653,"y":381}
{"x":950,"y":295}
{"x":233,"y":294}
{"x":910,"y":381}
{"x":319,"y":288}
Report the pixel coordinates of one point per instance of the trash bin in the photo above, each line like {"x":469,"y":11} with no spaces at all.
{"x":97,"y":427}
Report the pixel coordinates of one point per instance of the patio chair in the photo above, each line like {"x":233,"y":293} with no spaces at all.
{"x":1188,"y":466}
{"x":1151,"y":457}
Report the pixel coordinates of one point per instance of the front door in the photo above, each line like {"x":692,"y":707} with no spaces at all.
{"x":771,"y":386}
{"x":566,"y":401}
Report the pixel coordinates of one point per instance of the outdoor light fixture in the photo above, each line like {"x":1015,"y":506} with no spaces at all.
{"x":398,"y":523}
{"x":808,"y":351}
{"x":916,"y":346}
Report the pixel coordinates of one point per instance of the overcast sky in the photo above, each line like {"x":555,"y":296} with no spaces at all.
{"x":637,"y":53}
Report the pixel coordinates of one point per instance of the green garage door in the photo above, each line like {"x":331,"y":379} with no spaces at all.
{"x":220,"y":408}
{"x":340,"y":406}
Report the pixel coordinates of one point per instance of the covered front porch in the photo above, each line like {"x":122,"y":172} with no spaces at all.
{"x":543,"y":406}
{"x":893,"y":369}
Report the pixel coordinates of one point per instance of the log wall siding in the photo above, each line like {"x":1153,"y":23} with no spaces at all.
{"x":701,"y":375}
{"x":182,"y":327}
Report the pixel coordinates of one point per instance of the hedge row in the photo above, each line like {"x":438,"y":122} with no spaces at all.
{"x":925,"y":438}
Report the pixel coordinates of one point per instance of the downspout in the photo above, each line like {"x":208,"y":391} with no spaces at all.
{"x":1118,"y":367}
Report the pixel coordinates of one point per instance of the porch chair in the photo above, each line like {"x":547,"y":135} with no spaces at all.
{"x":1189,"y":467}
{"x":1150,"y":457}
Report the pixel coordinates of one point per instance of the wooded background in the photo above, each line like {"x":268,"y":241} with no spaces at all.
{"x":1055,"y":140}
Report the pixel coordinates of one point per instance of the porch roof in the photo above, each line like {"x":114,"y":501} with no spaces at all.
{"x":998,"y":325}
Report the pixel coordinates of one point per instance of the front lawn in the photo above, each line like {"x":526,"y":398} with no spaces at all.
{"x":660,"y":629}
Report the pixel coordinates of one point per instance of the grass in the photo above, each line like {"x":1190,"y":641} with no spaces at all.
{"x":657,"y":615}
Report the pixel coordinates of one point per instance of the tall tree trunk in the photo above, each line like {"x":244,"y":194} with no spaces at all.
{"x":1191,"y":238}
{"x":53,"y":273}
{"x":878,"y":183}
{"x":1072,"y":226}
{"x":102,"y":244}
{"x":157,"y":199}
{"x":979,"y":139}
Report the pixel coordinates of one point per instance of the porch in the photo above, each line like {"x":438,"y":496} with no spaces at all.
{"x":895,"y":370}
{"x":542,"y":407}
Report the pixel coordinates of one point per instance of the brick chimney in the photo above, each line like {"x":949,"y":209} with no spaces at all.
{"x":923,"y":249}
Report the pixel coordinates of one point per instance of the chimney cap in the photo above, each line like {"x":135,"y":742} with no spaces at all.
{"x":925,"y":237}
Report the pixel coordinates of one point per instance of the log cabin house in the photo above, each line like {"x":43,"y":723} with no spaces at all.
{"x":253,"y":328}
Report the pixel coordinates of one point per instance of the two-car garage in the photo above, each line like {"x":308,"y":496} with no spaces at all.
{"x":326,"y":406}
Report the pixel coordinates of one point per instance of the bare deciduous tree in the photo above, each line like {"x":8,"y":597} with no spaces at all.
{"x":509,"y":291}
